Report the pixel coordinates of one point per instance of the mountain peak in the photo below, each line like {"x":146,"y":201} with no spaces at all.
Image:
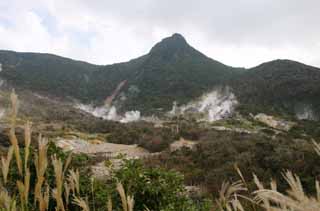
{"x":177,"y":37}
{"x":173,"y":43}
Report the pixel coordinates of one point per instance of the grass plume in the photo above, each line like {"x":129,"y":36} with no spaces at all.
{"x":5,"y":164}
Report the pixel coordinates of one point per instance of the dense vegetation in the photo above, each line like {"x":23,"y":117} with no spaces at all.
{"x":214,"y":158}
{"x":46,"y":73}
{"x":281,"y":86}
{"x":144,"y":135}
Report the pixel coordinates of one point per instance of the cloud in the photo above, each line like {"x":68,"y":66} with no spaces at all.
{"x":236,"y":32}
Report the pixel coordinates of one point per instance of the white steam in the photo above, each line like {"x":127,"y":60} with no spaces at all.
{"x":213,"y":106}
{"x":110,"y":113}
{"x":305,"y":112}
{"x":1,"y":81}
{"x":2,"y":113}
{"x":131,"y":116}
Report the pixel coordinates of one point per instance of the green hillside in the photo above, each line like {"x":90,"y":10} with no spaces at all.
{"x":280,"y":86}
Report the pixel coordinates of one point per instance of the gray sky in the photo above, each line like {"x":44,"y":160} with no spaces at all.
{"x":236,"y":32}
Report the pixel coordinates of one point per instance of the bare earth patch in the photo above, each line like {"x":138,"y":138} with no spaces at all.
{"x":112,"y":152}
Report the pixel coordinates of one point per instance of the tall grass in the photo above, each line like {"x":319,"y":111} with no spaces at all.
{"x":67,"y":185}
{"x":270,"y":199}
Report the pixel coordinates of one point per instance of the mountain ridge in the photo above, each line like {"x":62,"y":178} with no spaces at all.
{"x":171,"y":71}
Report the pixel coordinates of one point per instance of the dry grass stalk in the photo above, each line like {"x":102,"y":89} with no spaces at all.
{"x":12,"y":134}
{"x":295,"y":200}
{"x":92,"y":192}
{"x":123,"y":197}
{"x":240,"y":174}
{"x":228,"y":196}
{"x":5,"y":164}
{"x":27,"y":142}
{"x":73,"y":181}
{"x":57,"y":192}
{"x":318,"y":190}
{"x":23,"y":189}
{"x":14,"y":143}
{"x":296,"y":189}
{"x":27,"y":185}
{"x":14,"y":107}
{"x":67,"y":163}
{"x":109,"y":203}
{"x":41,"y":160}
{"x":146,"y":209}
{"x":81,"y":203}
{"x":316,"y":147}
{"x":44,"y":199}
{"x":266,"y":203}
{"x":67,"y":190}
{"x":235,"y":203}
{"x":127,"y":201}
{"x":38,"y":190}
{"x":6,"y":202}
{"x":130,"y":201}
{"x":41,"y":164}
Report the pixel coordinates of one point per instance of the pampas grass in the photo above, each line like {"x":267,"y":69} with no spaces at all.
{"x":123,"y":197}
{"x":73,"y":181}
{"x":5,"y":164}
{"x":27,"y":142}
{"x":12,"y":134}
{"x":228,"y":196}
{"x":6,"y":202}
{"x":66,"y":186}
{"x":295,"y":198}
{"x":126,"y":200}
{"x":42,"y":190}
{"x":41,"y":164}
{"x":81,"y":203}
{"x":57,"y":191}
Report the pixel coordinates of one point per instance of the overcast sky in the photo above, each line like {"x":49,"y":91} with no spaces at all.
{"x":241,"y":33}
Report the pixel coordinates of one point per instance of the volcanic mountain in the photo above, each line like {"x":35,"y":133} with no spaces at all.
{"x":171,"y":71}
